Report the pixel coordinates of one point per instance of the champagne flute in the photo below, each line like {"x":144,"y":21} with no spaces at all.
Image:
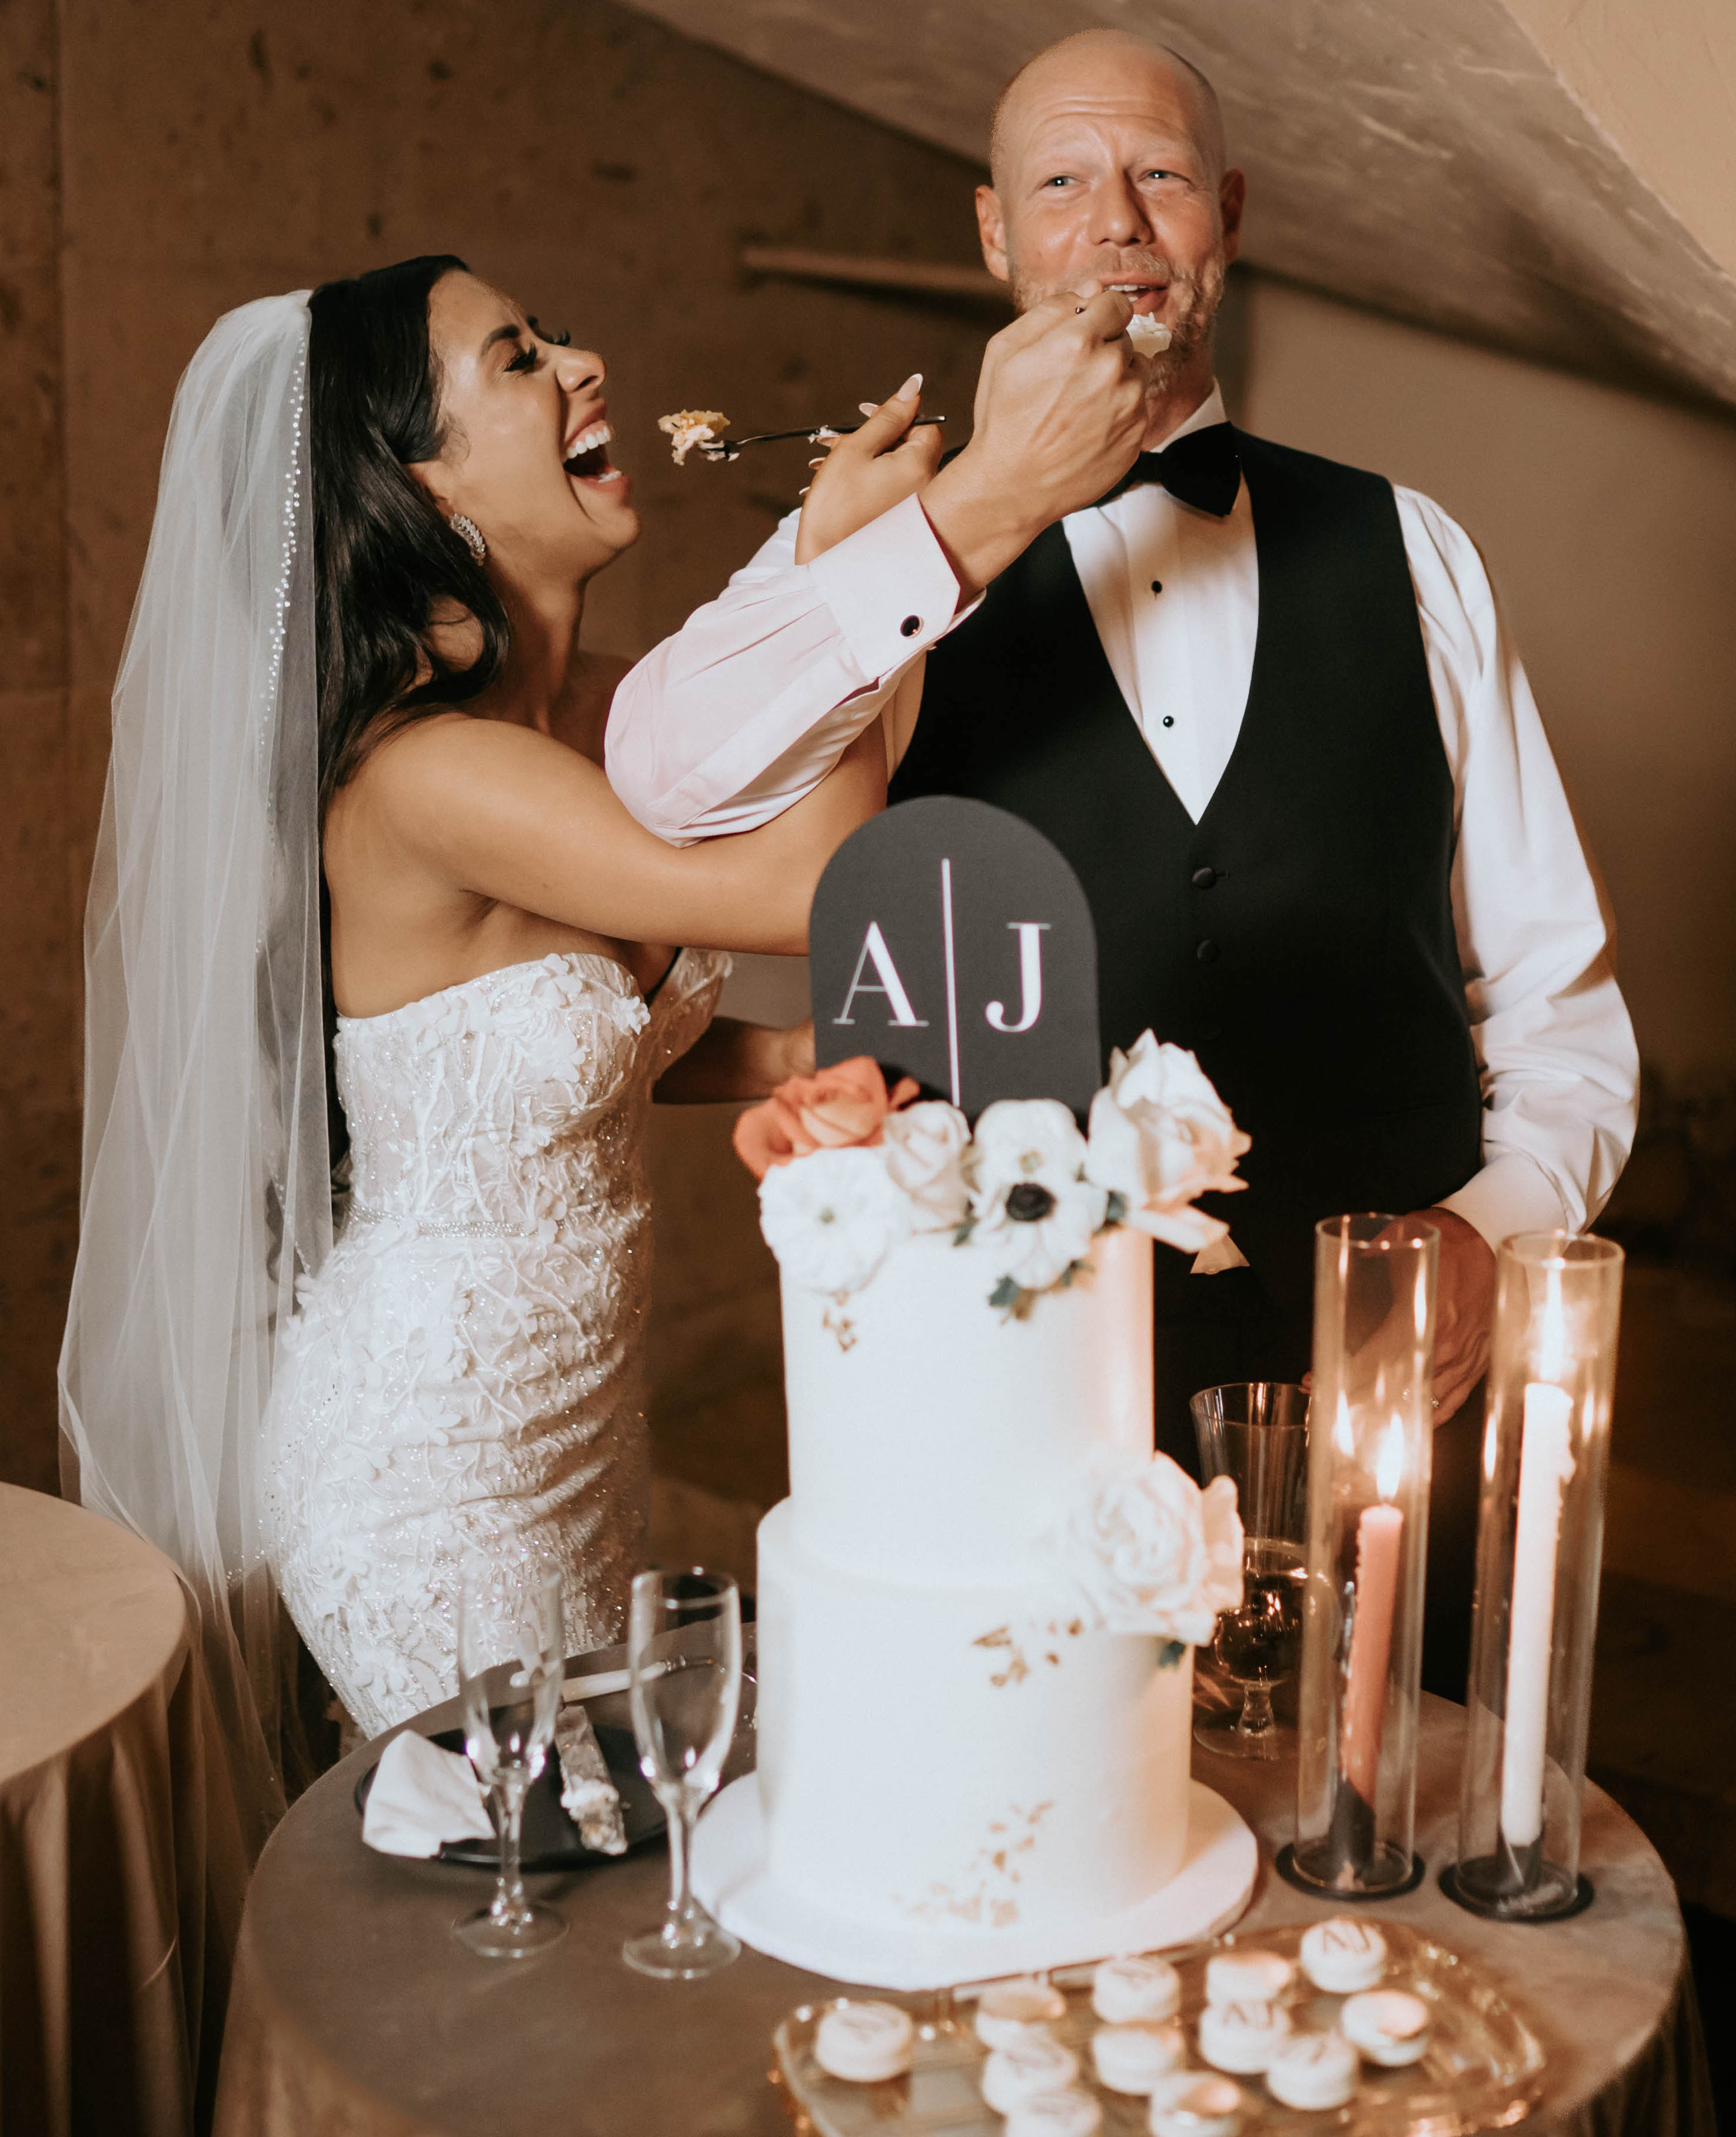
{"x":510,"y":1650}
{"x":1256,"y":1433}
{"x":683,"y":1658}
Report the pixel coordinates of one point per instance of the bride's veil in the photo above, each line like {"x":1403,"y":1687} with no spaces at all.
{"x":206,"y":1195}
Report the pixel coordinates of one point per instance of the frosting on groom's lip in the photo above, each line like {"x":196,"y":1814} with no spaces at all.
{"x":1145,"y":292}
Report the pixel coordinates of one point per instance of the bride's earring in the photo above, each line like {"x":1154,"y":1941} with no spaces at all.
{"x":471,"y":534}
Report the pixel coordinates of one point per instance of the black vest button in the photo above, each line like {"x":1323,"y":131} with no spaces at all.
{"x":1204,"y":878}
{"x":910,"y":625}
{"x":1207,"y":952}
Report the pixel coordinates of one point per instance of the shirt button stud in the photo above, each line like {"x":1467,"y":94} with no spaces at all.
{"x":1204,"y":878}
{"x":910,"y":625}
{"x":1207,"y":952}
{"x":1157,"y":586}
{"x":1169,"y":719}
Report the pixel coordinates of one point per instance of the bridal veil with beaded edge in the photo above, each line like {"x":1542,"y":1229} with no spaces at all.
{"x":442,"y":1383}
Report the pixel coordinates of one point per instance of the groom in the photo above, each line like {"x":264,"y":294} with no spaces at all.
{"x":1267,"y":708}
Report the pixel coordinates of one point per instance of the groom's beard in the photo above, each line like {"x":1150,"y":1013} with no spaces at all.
{"x":1190,"y":313}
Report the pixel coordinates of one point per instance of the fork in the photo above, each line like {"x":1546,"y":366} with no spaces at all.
{"x":729,"y":449}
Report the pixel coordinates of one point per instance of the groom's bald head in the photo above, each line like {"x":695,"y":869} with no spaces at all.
{"x":1093,"y":67}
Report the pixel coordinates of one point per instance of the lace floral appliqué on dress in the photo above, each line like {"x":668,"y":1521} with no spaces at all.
{"x":465,"y":1368}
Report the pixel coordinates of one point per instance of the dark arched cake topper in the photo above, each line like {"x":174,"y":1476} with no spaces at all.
{"x":953,"y":942}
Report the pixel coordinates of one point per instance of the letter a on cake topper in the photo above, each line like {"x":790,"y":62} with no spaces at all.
{"x":953,"y":942}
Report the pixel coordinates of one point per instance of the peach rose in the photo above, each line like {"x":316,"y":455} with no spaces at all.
{"x":835,"y":1108}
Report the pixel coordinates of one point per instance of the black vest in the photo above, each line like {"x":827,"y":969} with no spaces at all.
{"x":1299,"y":937}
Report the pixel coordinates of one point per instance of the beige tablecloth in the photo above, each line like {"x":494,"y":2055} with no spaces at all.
{"x":356,"y":2014}
{"x":121,"y":1866}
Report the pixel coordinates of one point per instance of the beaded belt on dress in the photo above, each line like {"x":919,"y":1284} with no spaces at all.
{"x":435,"y":1227}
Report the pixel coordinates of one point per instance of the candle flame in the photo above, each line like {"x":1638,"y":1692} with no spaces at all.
{"x":1389,"y":1464}
{"x":1553,"y":1339}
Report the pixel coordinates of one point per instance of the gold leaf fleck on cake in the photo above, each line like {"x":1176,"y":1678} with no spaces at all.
{"x":1000,"y":1637}
{"x":838,"y":1324}
{"x":1004,"y":1913}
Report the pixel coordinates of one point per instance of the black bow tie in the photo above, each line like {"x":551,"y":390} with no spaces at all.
{"x":1203,"y":470}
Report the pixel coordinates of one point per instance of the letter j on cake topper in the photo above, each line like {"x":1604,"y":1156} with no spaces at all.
{"x":953,"y":942}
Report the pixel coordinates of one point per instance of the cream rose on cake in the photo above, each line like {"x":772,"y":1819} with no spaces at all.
{"x":1160,"y":1137}
{"x":925,"y":1146}
{"x":1032,"y":1208}
{"x":1153,"y":1553}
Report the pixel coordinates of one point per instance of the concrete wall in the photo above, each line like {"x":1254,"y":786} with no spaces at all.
{"x":161,"y":161}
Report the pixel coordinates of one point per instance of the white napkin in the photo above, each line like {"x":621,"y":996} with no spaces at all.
{"x":422,"y":1796}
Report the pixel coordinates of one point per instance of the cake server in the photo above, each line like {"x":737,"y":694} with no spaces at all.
{"x":589,"y":1796}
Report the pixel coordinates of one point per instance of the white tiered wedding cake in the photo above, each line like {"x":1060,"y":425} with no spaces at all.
{"x":976,"y":1606}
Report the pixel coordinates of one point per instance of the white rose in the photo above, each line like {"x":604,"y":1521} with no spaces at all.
{"x":833,"y":1217}
{"x":1153,"y":1553}
{"x":925,"y":1147}
{"x":1161,"y":1137}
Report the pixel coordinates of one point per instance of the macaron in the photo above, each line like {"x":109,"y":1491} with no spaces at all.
{"x":1068,"y":2113}
{"x":1015,"y":2075}
{"x":1246,"y":1977}
{"x":1341,"y":1956}
{"x":1125,"y":1991}
{"x":1191,"y":2105}
{"x":1008,"y":2011}
{"x":1242,"y":2036}
{"x":1313,"y":2070}
{"x":1133,"y":2058}
{"x":864,"y":2042}
{"x":1389,"y":2026}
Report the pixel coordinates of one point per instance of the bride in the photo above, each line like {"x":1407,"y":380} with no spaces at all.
{"x":353,"y":694}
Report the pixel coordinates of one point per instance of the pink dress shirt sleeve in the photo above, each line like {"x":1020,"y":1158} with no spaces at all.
{"x":745,"y":709}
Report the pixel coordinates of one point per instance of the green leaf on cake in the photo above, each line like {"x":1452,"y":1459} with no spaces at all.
{"x":1010,"y":1300}
{"x":1116,"y":1212}
{"x":1170,"y":1653}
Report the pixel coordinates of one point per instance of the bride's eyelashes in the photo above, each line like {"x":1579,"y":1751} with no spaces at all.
{"x":563,"y":339}
{"x":526,"y":359}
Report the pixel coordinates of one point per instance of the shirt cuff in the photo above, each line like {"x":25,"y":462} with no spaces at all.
{"x":890,"y":587}
{"x":1510,"y":1195}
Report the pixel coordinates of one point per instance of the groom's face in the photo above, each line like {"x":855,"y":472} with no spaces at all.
{"x":1108,"y":172}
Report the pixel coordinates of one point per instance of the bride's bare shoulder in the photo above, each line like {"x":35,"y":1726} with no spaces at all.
{"x":445,"y":773}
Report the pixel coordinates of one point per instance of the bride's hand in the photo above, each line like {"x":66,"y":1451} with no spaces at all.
{"x":867,"y":471}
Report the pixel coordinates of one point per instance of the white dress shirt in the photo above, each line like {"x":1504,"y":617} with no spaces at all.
{"x":745,"y":709}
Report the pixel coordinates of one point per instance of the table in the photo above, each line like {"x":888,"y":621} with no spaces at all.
{"x":121,"y":1871}
{"x":356,"y":2014}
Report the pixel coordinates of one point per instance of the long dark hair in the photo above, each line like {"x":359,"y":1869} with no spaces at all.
{"x":387,"y":562}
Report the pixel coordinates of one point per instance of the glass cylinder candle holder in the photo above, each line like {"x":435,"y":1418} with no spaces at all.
{"x":1552,"y":1377}
{"x":1369,"y":1443}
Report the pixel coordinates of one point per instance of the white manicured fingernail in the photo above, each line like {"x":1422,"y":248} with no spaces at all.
{"x":910,"y":388}
{"x":868,"y":408}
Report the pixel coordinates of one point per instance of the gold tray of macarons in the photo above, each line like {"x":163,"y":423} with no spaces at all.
{"x":1372,"y":2031}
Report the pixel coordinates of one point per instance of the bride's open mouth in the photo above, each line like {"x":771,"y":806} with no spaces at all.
{"x":586,"y":457}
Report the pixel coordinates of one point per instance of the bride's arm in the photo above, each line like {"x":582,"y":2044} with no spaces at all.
{"x":506,"y":814}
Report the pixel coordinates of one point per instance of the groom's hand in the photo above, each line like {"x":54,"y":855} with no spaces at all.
{"x":1060,"y":415}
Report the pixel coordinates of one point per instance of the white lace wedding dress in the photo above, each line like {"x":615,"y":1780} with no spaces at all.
{"x":465,"y":1368}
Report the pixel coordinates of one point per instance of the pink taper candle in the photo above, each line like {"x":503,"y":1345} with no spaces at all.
{"x":1371,"y":1645}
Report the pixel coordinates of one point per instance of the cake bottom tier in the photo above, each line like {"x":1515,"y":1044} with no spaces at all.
{"x":968,"y":1755}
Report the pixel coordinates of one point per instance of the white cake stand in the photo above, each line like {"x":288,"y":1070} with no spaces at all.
{"x":1206,"y":1894}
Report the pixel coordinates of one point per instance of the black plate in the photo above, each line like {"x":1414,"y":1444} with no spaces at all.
{"x":551,"y":1838}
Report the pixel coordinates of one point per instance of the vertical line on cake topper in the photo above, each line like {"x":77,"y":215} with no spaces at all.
{"x":952,"y":983}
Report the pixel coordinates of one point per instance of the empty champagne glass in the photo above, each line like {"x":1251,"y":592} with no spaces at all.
{"x":684,"y":1656}
{"x":1255,"y":1433}
{"x":510,"y":1647}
